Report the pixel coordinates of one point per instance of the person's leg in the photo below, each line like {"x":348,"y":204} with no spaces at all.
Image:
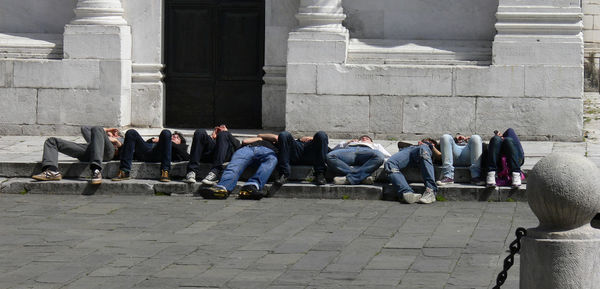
{"x":447,"y":147}
{"x":53,"y":146}
{"x":513,"y":158}
{"x":494,"y":153}
{"x":162,"y":150}
{"x":341,"y":160}
{"x":267,"y":160}
{"x":393,"y":168}
{"x":240,"y":160}
{"x":133,"y":145}
{"x":367,"y":161}
{"x":422,"y":158}
{"x":100,"y":148}
{"x":475,"y":149}
{"x":223,"y":151}
{"x":315,"y":152}
{"x":201,"y":143}
{"x":289,"y":151}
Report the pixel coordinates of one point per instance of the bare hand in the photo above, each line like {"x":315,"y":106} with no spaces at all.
{"x":154,"y":139}
{"x":306,"y":138}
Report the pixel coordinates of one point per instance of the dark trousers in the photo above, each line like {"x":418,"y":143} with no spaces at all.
{"x":295,"y":152}
{"x":209,"y":150}
{"x":134,"y":147}
{"x":98,"y":149}
{"x":507,"y":147}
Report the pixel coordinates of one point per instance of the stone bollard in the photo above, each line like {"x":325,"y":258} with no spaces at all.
{"x":563,"y":191}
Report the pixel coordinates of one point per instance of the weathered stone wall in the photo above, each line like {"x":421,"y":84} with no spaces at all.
{"x":35,"y":16}
{"x":423,"y":20}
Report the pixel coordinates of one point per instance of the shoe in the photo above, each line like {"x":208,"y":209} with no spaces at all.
{"x":48,"y":175}
{"x":164,"y":176}
{"x":428,"y":197}
{"x":250,"y":192}
{"x":368,"y":180}
{"x":411,"y":198}
{"x":211,"y":179}
{"x":96,"y":177}
{"x":190,"y":177}
{"x":490,"y":181}
{"x":215,"y":193}
{"x":281,"y":180}
{"x":516,"y":180}
{"x":445,"y":181}
{"x":123,"y":175}
{"x":320,"y":179}
{"x":477,"y":181}
{"x":340,"y":181}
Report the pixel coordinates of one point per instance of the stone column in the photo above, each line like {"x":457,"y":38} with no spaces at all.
{"x":563,"y":252}
{"x":320,"y":40}
{"x":99,"y":34}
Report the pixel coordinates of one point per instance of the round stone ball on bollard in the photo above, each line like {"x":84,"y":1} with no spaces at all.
{"x":563,"y":191}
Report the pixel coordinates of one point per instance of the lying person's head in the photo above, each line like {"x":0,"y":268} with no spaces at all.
{"x":365,"y":138}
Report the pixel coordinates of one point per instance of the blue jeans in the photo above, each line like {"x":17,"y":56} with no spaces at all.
{"x":299,"y":153}
{"x":507,"y":147}
{"x":414,"y":156}
{"x":356,"y":163}
{"x":457,"y":155}
{"x":265,"y":158}
{"x":135,"y":147}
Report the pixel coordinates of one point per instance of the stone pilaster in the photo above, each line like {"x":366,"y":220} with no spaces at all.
{"x":147,"y":95}
{"x":540,"y":32}
{"x":273,"y":95}
{"x":321,"y":16}
{"x":99,"y":33}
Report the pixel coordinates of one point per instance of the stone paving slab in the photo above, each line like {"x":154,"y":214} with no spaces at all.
{"x":117,"y":241}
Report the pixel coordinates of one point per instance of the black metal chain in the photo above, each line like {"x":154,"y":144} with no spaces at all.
{"x":514,"y":247}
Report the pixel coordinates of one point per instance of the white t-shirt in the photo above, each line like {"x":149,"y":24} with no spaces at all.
{"x":371,"y":145}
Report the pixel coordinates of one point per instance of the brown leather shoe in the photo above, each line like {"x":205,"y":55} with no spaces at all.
{"x":164,"y":176}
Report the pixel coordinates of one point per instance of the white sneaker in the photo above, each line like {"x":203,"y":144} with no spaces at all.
{"x":516,"y":180}
{"x":211,"y":179}
{"x":428,"y":197}
{"x":490,"y":180}
{"x":190,"y":178}
{"x":340,"y":181}
{"x":411,"y":198}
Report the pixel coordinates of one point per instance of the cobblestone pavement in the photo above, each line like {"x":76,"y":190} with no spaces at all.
{"x":51,"y":241}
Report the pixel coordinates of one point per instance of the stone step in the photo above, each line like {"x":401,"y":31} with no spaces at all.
{"x":455,"y":192}
{"x":419,"y":52}
{"x":151,"y":171}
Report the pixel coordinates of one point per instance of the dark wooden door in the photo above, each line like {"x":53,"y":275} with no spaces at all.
{"x":214,"y":51}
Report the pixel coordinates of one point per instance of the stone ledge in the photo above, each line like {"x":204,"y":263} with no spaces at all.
{"x":31,"y":46}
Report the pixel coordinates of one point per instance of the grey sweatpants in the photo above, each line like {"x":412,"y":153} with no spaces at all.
{"x":97,"y":149}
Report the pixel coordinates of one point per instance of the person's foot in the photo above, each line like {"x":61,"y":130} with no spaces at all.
{"x":48,"y":175}
{"x":211,"y":179}
{"x":341,"y":181}
{"x":516,"y":180}
{"x":121,"y":176}
{"x":190,"y":177}
{"x":164,"y":176}
{"x":281,"y":180}
{"x":490,"y":180}
{"x":320,"y":179}
{"x":250,"y":192}
{"x":96,"y":177}
{"x":216,"y":192}
{"x":428,"y":197}
{"x":445,"y":181}
{"x":368,"y":180}
{"x":478,"y":181}
{"x":411,"y":198}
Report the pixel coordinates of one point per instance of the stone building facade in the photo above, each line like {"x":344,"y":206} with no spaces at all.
{"x":392,"y":68}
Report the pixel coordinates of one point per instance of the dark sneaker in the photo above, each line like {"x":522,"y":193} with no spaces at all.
{"x":211,"y":179}
{"x":281,"y":180}
{"x":428,"y":197}
{"x":123,"y":175}
{"x":411,"y":198}
{"x":250,"y":192}
{"x":164,"y":176}
{"x":320,"y":179}
{"x":48,"y":175}
{"x":478,"y":181}
{"x":96,"y":177}
{"x":215,"y":193}
{"x":445,"y":181}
